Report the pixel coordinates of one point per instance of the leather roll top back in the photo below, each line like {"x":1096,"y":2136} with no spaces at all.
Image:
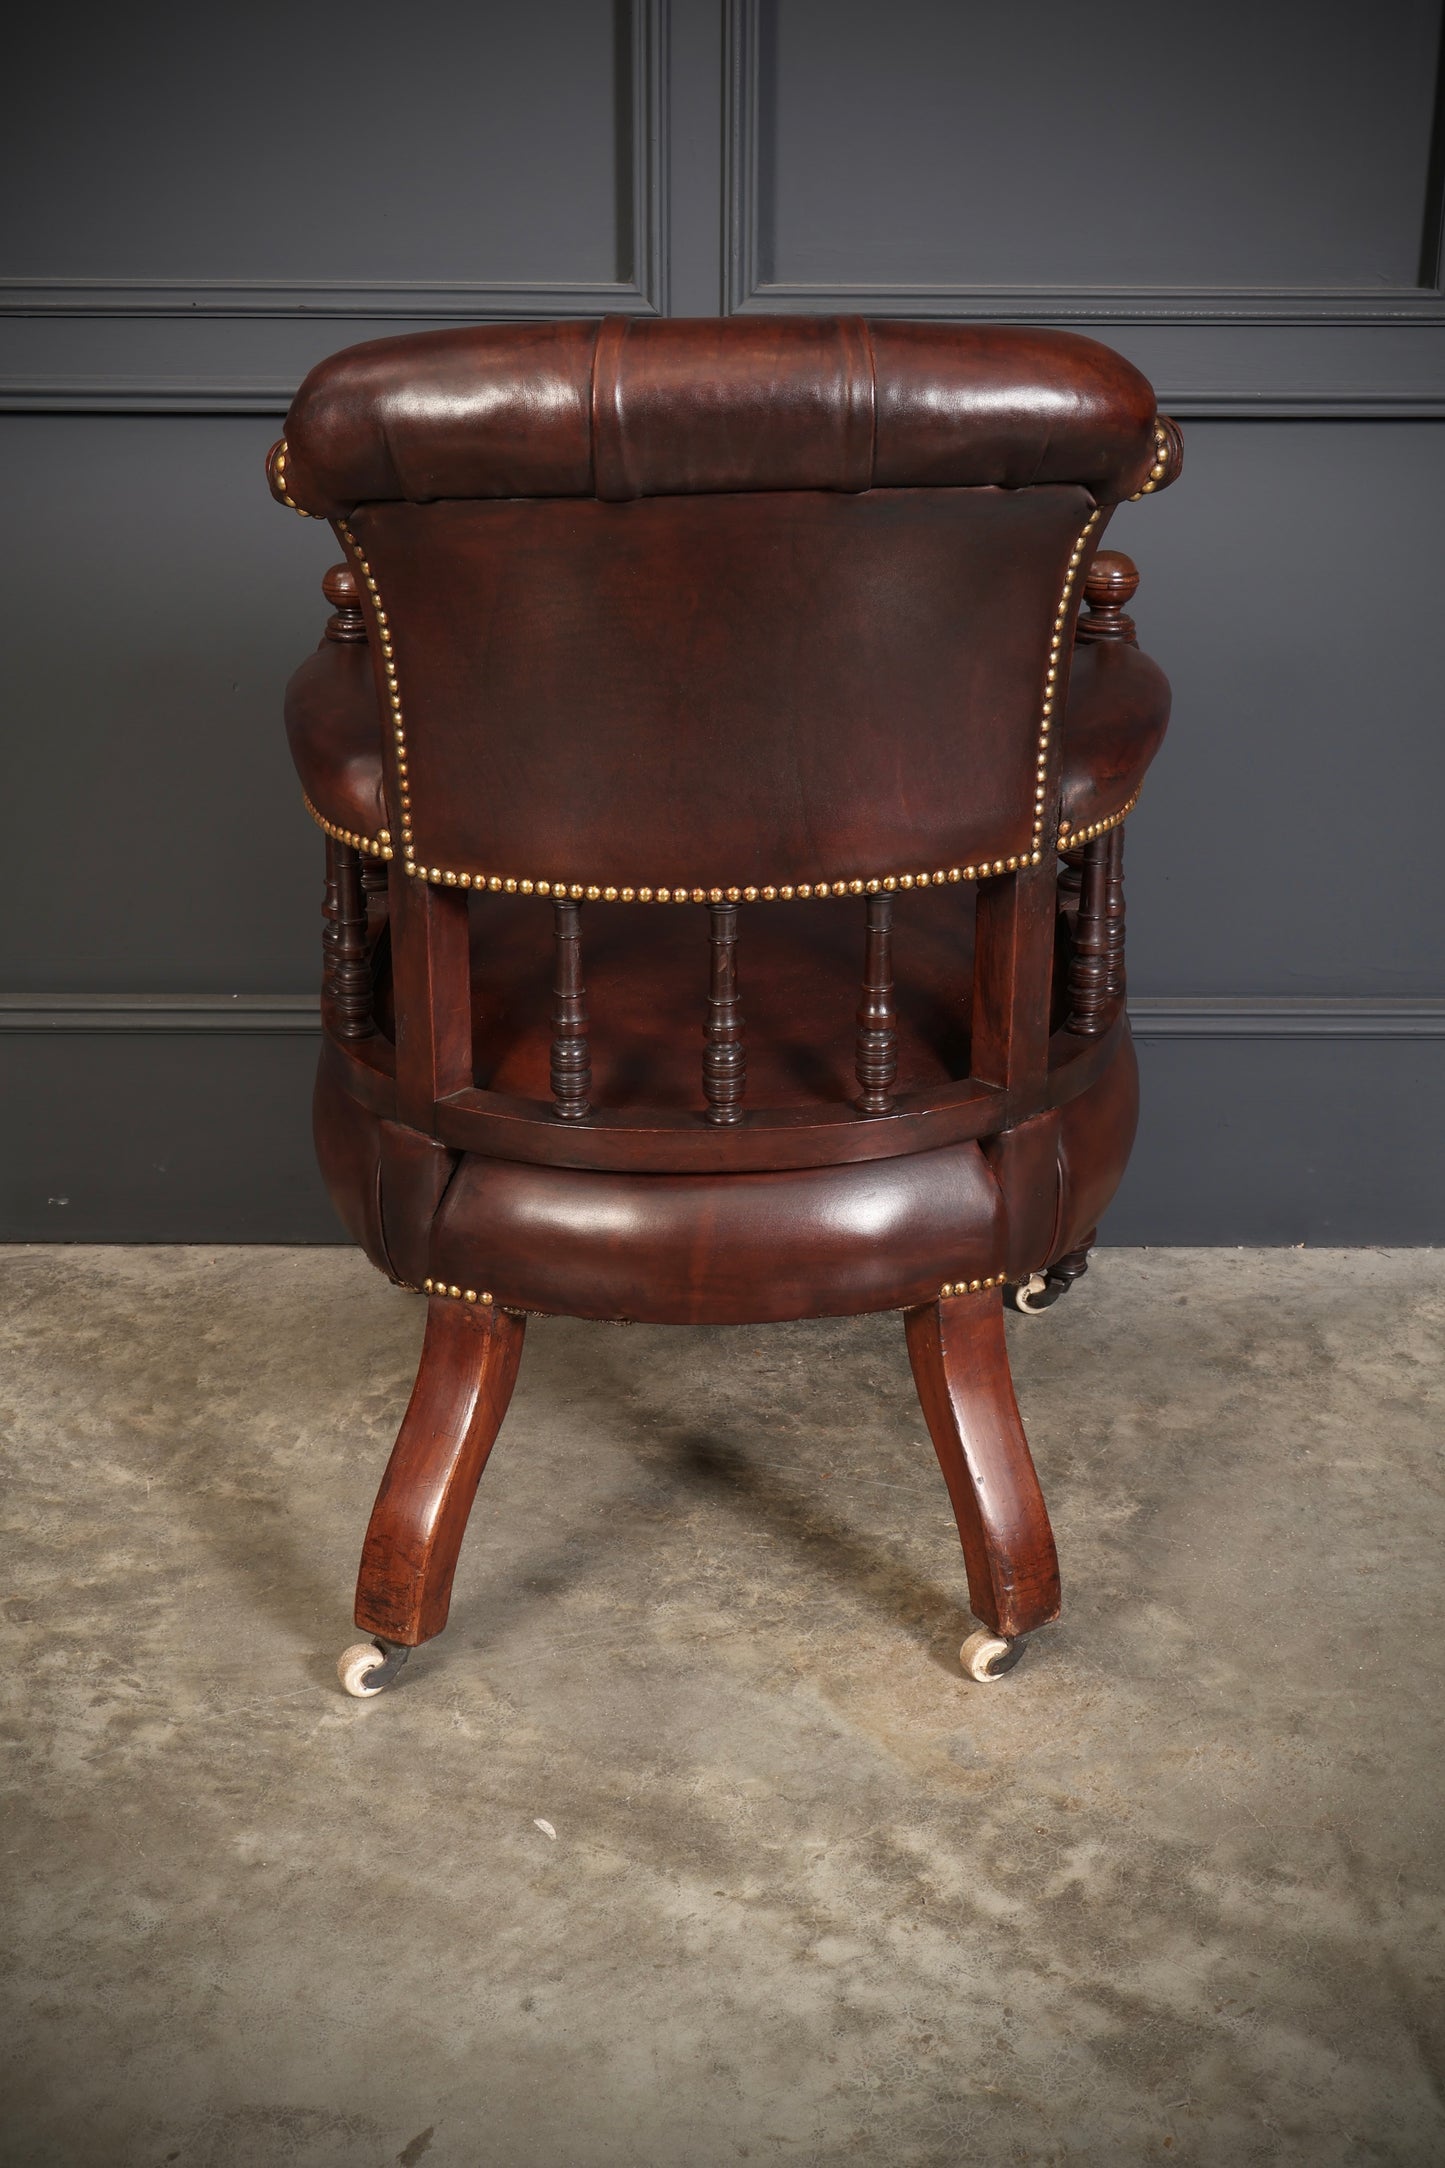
{"x":655,"y":407}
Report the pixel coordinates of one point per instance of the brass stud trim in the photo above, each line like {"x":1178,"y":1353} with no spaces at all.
{"x":378,"y":846}
{"x":457,"y":1294}
{"x":785,"y":891}
{"x":970,"y":1287}
{"x":1070,"y":839}
{"x":1160,"y":467}
{"x":398,"y":721}
{"x":1051,"y":666}
{"x":281,"y":451}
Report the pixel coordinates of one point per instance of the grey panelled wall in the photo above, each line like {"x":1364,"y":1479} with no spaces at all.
{"x":1245,"y":199}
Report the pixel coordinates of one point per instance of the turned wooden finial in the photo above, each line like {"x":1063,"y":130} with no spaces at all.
{"x":342,"y":592}
{"x":1108,"y":584}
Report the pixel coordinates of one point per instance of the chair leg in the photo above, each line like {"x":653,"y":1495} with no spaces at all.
{"x":468,"y":1368}
{"x":960,"y":1366}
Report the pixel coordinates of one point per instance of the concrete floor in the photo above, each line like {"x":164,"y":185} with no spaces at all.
{"x":1172,"y":1891}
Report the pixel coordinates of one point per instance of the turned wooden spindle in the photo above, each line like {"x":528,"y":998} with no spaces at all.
{"x":571,"y":1052}
{"x":1096,"y":968}
{"x":346,"y":989}
{"x":1109,"y":584}
{"x":374,"y":880}
{"x":344,"y":595}
{"x":876,"y":1059}
{"x":724,"y":1060}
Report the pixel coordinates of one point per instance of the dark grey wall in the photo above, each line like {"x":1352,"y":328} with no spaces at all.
{"x":1246,"y":200}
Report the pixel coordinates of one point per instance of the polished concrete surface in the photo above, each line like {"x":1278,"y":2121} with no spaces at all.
{"x":1171,"y":1891}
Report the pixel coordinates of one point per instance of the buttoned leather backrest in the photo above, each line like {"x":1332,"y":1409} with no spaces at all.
{"x":756,"y":604}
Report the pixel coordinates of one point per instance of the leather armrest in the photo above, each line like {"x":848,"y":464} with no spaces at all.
{"x":1117,"y":713}
{"x":334,"y":728}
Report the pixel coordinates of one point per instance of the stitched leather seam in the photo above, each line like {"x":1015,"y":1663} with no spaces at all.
{"x":610,"y":478}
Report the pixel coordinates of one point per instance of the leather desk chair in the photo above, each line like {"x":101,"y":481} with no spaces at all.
{"x":724,"y":813}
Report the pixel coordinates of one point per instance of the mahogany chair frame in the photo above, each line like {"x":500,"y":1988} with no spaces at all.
{"x":404,"y":1126}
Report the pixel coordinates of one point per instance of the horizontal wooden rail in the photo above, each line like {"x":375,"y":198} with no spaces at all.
{"x":679,"y":1141}
{"x":641,"y":1141}
{"x":634,"y":1140}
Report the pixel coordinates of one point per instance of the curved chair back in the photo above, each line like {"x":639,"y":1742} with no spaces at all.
{"x":722,"y":612}
{"x":763,"y":605}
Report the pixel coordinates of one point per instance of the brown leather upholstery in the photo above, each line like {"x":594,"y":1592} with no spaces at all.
{"x":864,"y":535}
{"x":1118,"y":707}
{"x":682,"y":1249}
{"x":1113,"y":726}
{"x":654,"y":407}
{"x":867,"y":673}
{"x":333,"y":726}
{"x":1096,"y":1136}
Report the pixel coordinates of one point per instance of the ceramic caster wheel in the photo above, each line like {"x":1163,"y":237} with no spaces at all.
{"x":986,"y":1656}
{"x":368,"y":1667}
{"x":1035,"y":1294}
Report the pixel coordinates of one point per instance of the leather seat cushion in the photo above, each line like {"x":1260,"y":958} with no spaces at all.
{"x":683,"y":1249}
